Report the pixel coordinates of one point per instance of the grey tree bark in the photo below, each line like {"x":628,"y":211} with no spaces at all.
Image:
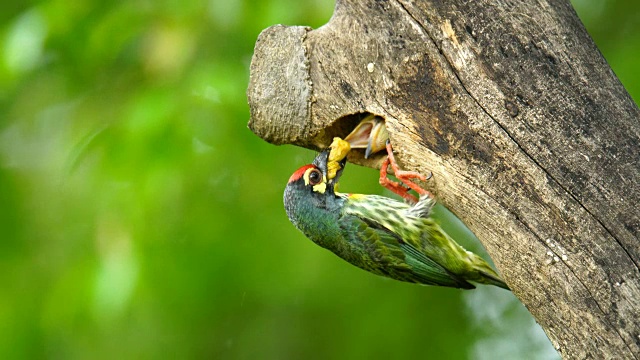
{"x":532,"y":141}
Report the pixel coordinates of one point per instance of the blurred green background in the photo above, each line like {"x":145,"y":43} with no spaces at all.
{"x":140,"y":218}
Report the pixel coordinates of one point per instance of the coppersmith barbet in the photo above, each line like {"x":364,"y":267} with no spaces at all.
{"x":379,"y":234}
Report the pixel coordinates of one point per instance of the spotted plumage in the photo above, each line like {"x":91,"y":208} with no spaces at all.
{"x":381,"y":235}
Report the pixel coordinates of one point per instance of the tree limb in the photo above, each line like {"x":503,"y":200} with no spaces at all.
{"x":532,"y":140}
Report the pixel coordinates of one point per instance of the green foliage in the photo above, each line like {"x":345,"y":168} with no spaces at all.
{"x":140,"y":218}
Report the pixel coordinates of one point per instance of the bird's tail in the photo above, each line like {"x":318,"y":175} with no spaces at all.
{"x":494,"y":279}
{"x":486,"y":275}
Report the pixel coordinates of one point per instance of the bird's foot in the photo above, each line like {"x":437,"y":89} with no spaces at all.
{"x":406,"y":178}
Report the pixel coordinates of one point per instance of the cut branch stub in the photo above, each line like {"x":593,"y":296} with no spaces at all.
{"x":280,"y":89}
{"x":531,"y":140}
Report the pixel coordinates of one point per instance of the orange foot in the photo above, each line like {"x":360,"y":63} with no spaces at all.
{"x":405,"y":177}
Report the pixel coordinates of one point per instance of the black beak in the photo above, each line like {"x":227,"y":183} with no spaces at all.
{"x":321,"y":162}
{"x":342,"y":163}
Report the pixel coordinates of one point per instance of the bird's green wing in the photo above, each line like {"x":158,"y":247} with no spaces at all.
{"x":391,"y":256}
{"x":428,"y":268}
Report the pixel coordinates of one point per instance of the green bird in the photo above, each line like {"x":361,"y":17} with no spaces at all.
{"x":379,"y":234}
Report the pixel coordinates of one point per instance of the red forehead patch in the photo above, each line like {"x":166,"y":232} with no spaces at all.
{"x":298,"y":174}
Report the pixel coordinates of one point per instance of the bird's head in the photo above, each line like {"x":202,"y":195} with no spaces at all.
{"x":309,"y":197}
{"x":314,"y":178}
{"x":310,"y":193}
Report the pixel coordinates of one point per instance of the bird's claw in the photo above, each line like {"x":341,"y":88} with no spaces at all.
{"x":406,"y":177}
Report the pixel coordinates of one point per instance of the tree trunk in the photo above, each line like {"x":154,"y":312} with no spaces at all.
{"x":532,"y":141}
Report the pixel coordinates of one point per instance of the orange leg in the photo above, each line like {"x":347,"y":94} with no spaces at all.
{"x":404,"y":176}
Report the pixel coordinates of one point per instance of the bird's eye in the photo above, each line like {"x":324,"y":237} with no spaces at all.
{"x":315,"y":177}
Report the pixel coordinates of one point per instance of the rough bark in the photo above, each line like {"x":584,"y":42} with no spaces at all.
{"x":532,"y":141}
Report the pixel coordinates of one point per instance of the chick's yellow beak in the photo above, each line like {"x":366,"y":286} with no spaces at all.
{"x":371,"y":134}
